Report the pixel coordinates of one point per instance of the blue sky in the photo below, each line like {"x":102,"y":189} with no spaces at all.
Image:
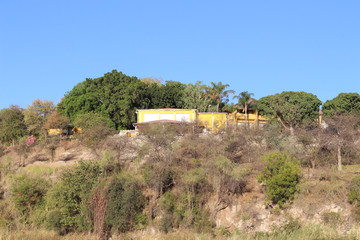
{"x":264,"y":47}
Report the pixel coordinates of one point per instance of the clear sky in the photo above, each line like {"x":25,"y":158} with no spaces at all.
{"x":261,"y":46}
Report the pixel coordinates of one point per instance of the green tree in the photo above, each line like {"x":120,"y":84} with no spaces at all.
{"x":281,"y":175}
{"x":36,"y":115}
{"x":343,"y":103}
{"x":291,"y":108}
{"x":218,"y":93}
{"x":169,"y":95}
{"x":195,"y":97}
{"x":115,"y":96}
{"x":12,"y":125}
{"x":244,"y":100}
{"x":67,"y":199}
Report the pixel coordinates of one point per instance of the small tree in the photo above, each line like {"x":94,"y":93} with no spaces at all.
{"x":339,"y":134}
{"x":244,"y":99}
{"x":280,"y":175}
{"x":217,"y":93}
{"x":95,"y":129}
{"x":12,"y":125}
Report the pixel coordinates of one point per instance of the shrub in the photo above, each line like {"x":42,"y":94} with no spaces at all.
{"x":281,"y":175}
{"x":70,"y":194}
{"x":125,"y":203}
{"x":354,"y":195}
{"x":28,"y":193}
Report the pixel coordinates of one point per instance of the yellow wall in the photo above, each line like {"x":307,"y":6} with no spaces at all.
{"x":53,"y":131}
{"x":212,"y":121}
{"x":159,"y":114}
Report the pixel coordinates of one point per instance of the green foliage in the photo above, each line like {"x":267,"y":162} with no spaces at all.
{"x":28,"y":193}
{"x":12,"y":125}
{"x":87,"y":121}
{"x":114,"y":96}
{"x":354,"y":195}
{"x":343,"y":103}
{"x":70,"y":194}
{"x":292,"y":108}
{"x":195,"y":97}
{"x":36,"y":114}
{"x":94,"y":127}
{"x":125,"y":203}
{"x":281,"y":175}
{"x":169,"y":95}
{"x":218,"y":93}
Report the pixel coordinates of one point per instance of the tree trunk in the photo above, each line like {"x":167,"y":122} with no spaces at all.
{"x":339,"y":159}
{"x":217,"y":107}
{"x":291,"y":131}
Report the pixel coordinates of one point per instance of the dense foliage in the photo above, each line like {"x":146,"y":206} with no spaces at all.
{"x":12,"y":124}
{"x":281,"y":175}
{"x":291,"y":108}
{"x":343,"y":103}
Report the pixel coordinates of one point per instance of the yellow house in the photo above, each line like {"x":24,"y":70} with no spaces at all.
{"x":252,"y":119}
{"x":149,"y":115}
{"x":212,"y":122}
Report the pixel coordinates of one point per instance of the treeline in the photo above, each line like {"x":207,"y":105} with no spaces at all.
{"x":115,"y":97}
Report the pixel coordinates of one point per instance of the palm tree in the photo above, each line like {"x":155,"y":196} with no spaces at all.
{"x":244,"y":99}
{"x":217,"y":92}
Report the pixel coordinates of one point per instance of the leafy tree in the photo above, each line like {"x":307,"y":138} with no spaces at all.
{"x":218,"y":93}
{"x":95,"y":129}
{"x":244,"y":99}
{"x":12,"y":125}
{"x":291,"y":108}
{"x":281,"y":175}
{"x":195,"y":97}
{"x":151,"y":80}
{"x":114,"y":96}
{"x":55,"y":121}
{"x":169,"y":95}
{"x":36,"y":114}
{"x":343,"y":103}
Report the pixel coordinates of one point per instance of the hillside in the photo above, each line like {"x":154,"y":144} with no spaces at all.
{"x":166,"y":186}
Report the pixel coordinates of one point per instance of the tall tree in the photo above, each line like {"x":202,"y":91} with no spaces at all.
{"x":169,"y":95}
{"x":114,"y":96}
{"x":36,"y":114}
{"x":291,"y":108}
{"x":244,"y":99}
{"x":217,"y":93}
{"x":343,"y":103}
{"x":195,"y":97}
{"x":12,"y":125}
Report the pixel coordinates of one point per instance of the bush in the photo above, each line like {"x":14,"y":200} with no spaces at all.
{"x":281,"y":175}
{"x":28,"y":193}
{"x":354,"y":195}
{"x":125,"y":203}
{"x":69,"y":196}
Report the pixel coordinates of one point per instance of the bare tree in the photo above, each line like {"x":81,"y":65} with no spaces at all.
{"x":340,"y":134}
